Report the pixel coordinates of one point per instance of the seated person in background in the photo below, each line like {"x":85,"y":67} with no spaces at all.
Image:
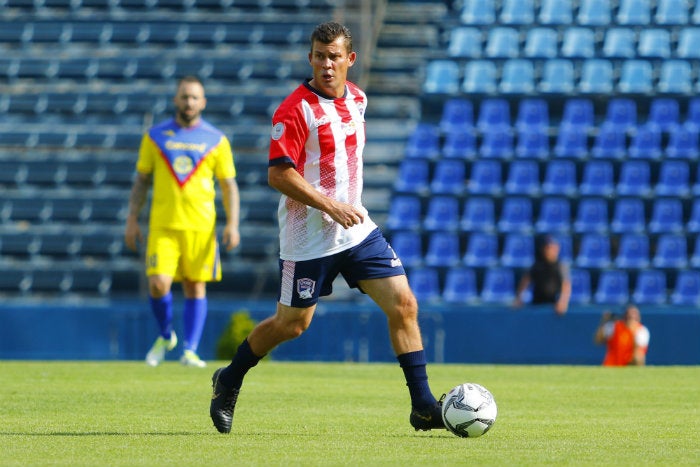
{"x":627,"y":339}
{"x":550,"y":278}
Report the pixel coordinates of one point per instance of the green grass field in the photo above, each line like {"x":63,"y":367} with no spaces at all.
{"x":124,"y":413}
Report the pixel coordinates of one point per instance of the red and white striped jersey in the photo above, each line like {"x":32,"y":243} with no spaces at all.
{"x":323,"y":138}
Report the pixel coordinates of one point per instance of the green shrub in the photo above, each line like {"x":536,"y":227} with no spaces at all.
{"x":237,"y":329}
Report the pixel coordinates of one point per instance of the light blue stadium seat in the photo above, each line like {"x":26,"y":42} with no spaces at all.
{"x":541,"y":42}
{"x":645,"y":143}
{"x":664,"y":113}
{"x":671,"y":12}
{"x":465,"y":42}
{"x":592,"y":215}
{"x":650,"y":288}
{"x":636,"y":76}
{"x":517,"y":76}
{"x":556,"y":12}
{"x":481,"y":12}
{"x":619,"y":43}
{"x":554,"y":215}
{"x":485,"y":177}
{"x":425,"y":283}
{"x":634,"y":179}
{"x":671,"y":251}
{"x":609,"y":143}
{"x":449,"y":177}
{"x":517,"y":12}
{"x":405,"y":213}
{"x":442,"y":249}
{"x":480,"y":77}
{"x":442,"y":213}
{"x":460,"y":287}
{"x":633,"y":251}
{"x":687,"y":288}
{"x":597,"y":178}
{"x":578,"y":42}
{"x":479,"y":214}
{"x":654,"y":43}
{"x":613,"y":288}
{"x":674,"y":178}
{"x":502,"y":42}
{"x":560,"y":178}
{"x":634,"y":12}
{"x":628,"y":215}
{"x":581,"y":287}
{"x":675,"y":77}
{"x":442,"y":77}
{"x":481,"y":250}
{"x":557,"y":77}
{"x":594,"y":251}
{"x":499,"y":286}
{"x":518,"y":250}
{"x":413,"y":176}
{"x":423,"y":142}
{"x":594,"y":13}
{"x":666,"y":216}
{"x":457,"y":115}
{"x":596,"y":76}
{"x":689,"y":43}
{"x":516,"y":215}
{"x":523,"y":178}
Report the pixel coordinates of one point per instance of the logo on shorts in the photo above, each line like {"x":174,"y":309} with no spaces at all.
{"x":305,"y":288}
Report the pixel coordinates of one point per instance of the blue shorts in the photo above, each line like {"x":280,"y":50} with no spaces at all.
{"x":303,"y":282}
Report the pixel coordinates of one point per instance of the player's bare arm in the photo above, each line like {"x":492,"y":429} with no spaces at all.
{"x":230,"y":198}
{"x":286,"y":180}
{"x":137,"y":199}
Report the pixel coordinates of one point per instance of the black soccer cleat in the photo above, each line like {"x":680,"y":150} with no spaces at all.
{"x":223,"y":402}
{"x":429,"y":418}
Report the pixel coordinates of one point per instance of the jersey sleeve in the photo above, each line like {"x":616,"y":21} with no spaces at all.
{"x":641,"y":338}
{"x":288,"y":136}
{"x":146,"y":159}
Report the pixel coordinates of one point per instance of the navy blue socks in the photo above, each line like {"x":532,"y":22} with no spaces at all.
{"x":413,"y":366}
{"x":244,"y":360}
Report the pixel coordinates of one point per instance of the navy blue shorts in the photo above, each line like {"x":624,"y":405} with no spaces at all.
{"x":303,"y":282}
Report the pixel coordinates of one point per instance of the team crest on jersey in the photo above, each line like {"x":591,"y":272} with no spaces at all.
{"x":349,"y":128}
{"x":182,"y":165}
{"x":305,"y":288}
{"x":277,"y":131}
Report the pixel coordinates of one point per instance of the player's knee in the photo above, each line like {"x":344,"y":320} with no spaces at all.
{"x":158,"y":287}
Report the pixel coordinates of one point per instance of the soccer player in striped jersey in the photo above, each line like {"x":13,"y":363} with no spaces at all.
{"x":180,"y":158}
{"x":315,"y":162}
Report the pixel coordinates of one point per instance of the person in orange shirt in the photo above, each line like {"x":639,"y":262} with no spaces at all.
{"x":627,"y":339}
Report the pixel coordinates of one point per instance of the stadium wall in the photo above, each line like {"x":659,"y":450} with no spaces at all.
{"x":348,"y":331}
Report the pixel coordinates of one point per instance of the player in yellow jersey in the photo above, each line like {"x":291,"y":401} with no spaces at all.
{"x":180,"y":158}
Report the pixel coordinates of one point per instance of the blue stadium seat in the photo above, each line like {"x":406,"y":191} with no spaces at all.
{"x":594,"y":13}
{"x":423,"y":142}
{"x":485,"y":177}
{"x":499,"y":286}
{"x":666,"y":216}
{"x":442,"y":249}
{"x":619,"y":43}
{"x":566,"y":247}
{"x":591,"y":215}
{"x":675,"y":77}
{"x":671,"y":251}
{"x":502,"y":42}
{"x":554,"y":215}
{"x":674,"y":179}
{"x":497,"y":143}
{"x":425,"y":283}
{"x":634,"y":12}
{"x":517,"y":76}
{"x":664,"y":113}
{"x":683,"y":143}
{"x":532,"y":144}
{"x":457,"y":115}
{"x":609,"y":144}
{"x":442,"y":213}
{"x":621,"y":113}
{"x":523,"y":178}
{"x":441,"y":77}
{"x":479,"y":214}
{"x":645,"y":143}
{"x":596,"y":76}
{"x":613,"y":288}
{"x":650,"y":287}
{"x":695,"y":257}
{"x":571,"y":143}
{"x":560,"y":178}
{"x":533,"y":115}
{"x":628,"y":215}
{"x":541,"y":42}
{"x":465,"y":42}
{"x":633,"y":251}
{"x":578,"y":42}
{"x":516,"y":215}
{"x":493,"y":113}
{"x":481,"y":250}
{"x":518,"y":250}
{"x":405,"y":213}
{"x":693,"y":224}
{"x":517,"y":12}
{"x":634,"y":179}
{"x":636,"y":76}
{"x":557,"y":77}
{"x":688,"y":43}
{"x":480,"y":77}
{"x":594,"y":251}
{"x":597,"y":178}
{"x":556,"y":12}
{"x":687,"y":288}
{"x":654,"y":43}
{"x":481,"y":12}
{"x":449,"y":177}
{"x":459,"y":145}
{"x":413,"y":176}
{"x":581,"y":288}
{"x":672,"y":12}
{"x":460,"y":287}
{"x":579,"y":114}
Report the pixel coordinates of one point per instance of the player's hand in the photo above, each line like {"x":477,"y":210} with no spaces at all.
{"x":230,"y":238}
{"x":132,"y":235}
{"x":346,"y":215}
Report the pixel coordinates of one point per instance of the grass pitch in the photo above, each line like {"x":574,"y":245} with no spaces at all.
{"x":125,"y":413}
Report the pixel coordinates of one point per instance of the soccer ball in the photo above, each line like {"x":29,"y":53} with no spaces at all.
{"x":469,"y":410}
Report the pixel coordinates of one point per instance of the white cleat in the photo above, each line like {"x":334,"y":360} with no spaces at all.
{"x":160,"y":346}
{"x":189,"y":358}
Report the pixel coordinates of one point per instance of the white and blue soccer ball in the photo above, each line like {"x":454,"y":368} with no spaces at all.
{"x":469,"y":410}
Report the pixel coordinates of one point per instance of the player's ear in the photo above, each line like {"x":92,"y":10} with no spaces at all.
{"x":351,"y":58}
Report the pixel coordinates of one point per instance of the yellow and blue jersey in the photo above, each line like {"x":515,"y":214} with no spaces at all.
{"x":184,"y":163}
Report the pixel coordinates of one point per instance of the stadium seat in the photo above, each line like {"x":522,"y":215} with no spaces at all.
{"x":425,"y":283}
{"x":634,"y":179}
{"x":497,"y":143}
{"x":566,"y":247}
{"x":554,"y":215}
{"x":523,"y":178}
{"x":517,"y":12}
{"x":650,"y":288}
{"x":578,"y":42}
{"x":621,"y":113}
{"x":689,"y":43}
{"x":499,"y":286}
{"x":460,"y":287}
{"x":479,"y":214}
{"x":594,"y":251}
{"x":671,"y":251}
{"x":560,"y":178}
{"x":532,"y":144}
{"x":480,"y":12}
{"x":502,"y":42}
{"x":557,"y":77}
{"x":674,"y":179}
{"x":596,"y":76}
{"x":423,"y":142}
{"x":692,"y":117}
{"x":480,"y":77}
{"x":533,"y":115}
{"x":613,"y":288}
{"x":666,"y":216}
{"x":541,"y":42}
{"x":457,"y":116}
{"x":636,"y":76}
{"x":449,"y":177}
{"x":597,"y":178}
{"x":517,"y":76}
{"x":481,"y":250}
{"x":675,"y":77}
{"x":634,"y":12}
{"x":671,"y":12}
{"x":594,"y":13}
{"x":687,"y":288}
{"x":693,"y":224}
{"x":609,"y":144}
{"x":695,"y":257}
{"x":645,"y":143}
{"x":465,"y":42}
{"x":683,"y":143}
{"x":591,"y":215}
{"x":556,"y":12}
{"x":413,"y":176}
{"x":633,"y":251}
{"x":581,"y":289}
{"x":459,"y":145}
{"x":493,"y":113}
{"x":518,"y":250}
{"x":571,"y":143}
{"x":619,"y":43}
{"x":441,"y":77}
{"x":654,"y":43}
{"x":405,"y":213}
{"x":442,"y":213}
{"x":485,"y":178}
{"x":628,"y":215}
{"x":442,"y":249}
{"x":516,"y":215}
{"x":578,"y":113}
